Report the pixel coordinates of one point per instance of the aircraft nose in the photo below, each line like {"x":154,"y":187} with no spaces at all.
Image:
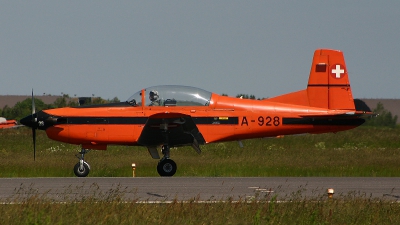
{"x":28,"y":120}
{"x":40,"y":120}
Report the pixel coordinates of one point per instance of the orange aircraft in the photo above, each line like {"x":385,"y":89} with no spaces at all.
{"x":7,"y":123}
{"x":173,"y":116}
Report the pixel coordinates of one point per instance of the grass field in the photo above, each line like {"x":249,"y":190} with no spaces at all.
{"x":350,"y":209}
{"x":364,"y":151}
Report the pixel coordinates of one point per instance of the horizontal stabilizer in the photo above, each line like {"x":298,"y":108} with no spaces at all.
{"x":340,"y":114}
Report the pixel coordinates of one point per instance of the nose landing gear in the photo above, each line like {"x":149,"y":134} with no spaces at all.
{"x":82,"y":168}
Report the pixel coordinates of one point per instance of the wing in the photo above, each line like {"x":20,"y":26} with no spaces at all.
{"x":173,"y":129}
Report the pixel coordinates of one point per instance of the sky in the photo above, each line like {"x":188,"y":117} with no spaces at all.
{"x":263,"y":48}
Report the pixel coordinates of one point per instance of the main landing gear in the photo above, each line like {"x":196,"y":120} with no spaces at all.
{"x":166,"y":167}
{"x":82,"y":168}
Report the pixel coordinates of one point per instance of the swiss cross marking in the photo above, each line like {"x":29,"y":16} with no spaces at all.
{"x":338,"y":71}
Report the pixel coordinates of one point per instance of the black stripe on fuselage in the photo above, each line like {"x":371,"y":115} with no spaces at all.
{"x":143,"y":120}
{"x":216,"y":120}
{"x":323,"y":121}
{"x":106,"y":120}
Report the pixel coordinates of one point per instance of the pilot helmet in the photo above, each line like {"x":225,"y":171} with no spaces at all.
{"x":153,"y":95}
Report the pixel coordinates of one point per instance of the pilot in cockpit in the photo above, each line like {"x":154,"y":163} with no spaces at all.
{"x":154,"y":98}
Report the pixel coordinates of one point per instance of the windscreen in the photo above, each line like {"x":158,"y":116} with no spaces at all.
{"x":172,"y":95}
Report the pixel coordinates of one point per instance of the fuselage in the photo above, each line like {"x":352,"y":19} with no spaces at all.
{"x":223,"y":119}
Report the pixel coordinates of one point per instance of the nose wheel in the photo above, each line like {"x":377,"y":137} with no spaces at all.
{"x":166,"y":167}
{"x":82,"y":168}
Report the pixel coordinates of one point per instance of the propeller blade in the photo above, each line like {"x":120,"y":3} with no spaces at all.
{"x":34,"y":143}
{"x":33,"y":104}
{"x":34,"y":123}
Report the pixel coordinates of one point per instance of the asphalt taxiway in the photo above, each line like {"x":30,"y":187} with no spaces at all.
{"x":164,"y":189}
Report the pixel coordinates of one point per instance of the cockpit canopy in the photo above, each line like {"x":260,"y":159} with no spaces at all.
{"x":171,"y":95}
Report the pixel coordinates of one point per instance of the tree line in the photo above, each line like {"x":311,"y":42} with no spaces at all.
{"x":382,"y":118}
{"x":24,"y":108}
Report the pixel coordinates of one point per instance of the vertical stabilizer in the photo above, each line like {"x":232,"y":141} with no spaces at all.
{"x":328,"y":84}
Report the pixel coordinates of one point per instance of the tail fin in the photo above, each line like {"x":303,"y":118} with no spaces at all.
{"x":328,"y":84}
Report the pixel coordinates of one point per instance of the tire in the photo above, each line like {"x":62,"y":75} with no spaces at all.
{"x":84,"y":172}
{"x":166,"y":168}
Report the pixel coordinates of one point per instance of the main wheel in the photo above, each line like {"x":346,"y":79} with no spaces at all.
{"x":82,"y":172}
{"x":166,"y":168}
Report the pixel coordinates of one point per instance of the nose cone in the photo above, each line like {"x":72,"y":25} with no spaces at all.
{"x":29,"y":121}
{"x":39,"y":120}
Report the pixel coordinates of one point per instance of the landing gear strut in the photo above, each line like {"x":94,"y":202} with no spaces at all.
{"x":82,"y":168}
{"x":166,"y":167}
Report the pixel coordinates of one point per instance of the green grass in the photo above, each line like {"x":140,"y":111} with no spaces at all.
{"x":364,"y":151}
{"x":351,"y":209}
{"x":360,"y":152}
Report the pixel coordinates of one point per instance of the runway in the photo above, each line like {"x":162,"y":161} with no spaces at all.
{"x":163,"y":189}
